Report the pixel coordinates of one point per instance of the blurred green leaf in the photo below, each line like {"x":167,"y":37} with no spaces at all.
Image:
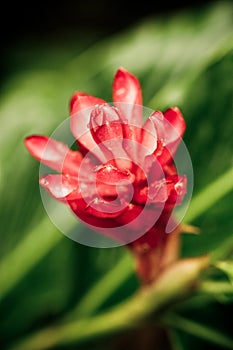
{"x":198,"y":330}
{"x":98,"y":294}
{"x":129,"y":314}
{"x":210,"y":195}
{"x":227,"y":267}
{"x":175,"y":341}
{"x":222,"y":291}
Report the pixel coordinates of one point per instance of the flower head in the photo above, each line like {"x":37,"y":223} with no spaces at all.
{"x":122,"y":181}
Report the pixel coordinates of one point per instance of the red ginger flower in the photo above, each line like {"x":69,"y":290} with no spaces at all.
{"x":123,"y":180}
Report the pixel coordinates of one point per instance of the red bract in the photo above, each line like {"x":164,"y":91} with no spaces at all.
{"x":123,"y":180}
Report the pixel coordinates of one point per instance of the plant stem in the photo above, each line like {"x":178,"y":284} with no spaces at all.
{"x":216,"y":288}
{"x":173,"y":284}
{"x":198,"y":330}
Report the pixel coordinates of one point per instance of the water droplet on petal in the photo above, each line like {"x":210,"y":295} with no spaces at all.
{"x":121,"y":91}
{"x":44,"y":182}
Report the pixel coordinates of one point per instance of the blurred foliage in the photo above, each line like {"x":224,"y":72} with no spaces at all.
{"x":184,"y":60}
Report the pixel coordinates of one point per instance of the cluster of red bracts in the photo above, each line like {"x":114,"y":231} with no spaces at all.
{"x":122,"y":166}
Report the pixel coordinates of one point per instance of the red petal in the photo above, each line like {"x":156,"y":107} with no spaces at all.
{"x":154,"y":170}
{"x":81,"y":107}
{"x":175,"y":118}
{"x":153,"y":138}
{"x":149,"y":136}
{"x":74,"y":99}
{"x":138,"y":219}
{"x":169,"y":190}
{"x":81,"y":100}
{"x":105,"y":124}
{"x":60,"y":186}
{"x":78,"y":207}
{"x":130,"y":215}
{"x":159,"y":191}
{"x":172,"y":190}
{"x":108,"y":174}
{"x":180,"y":188}
{"x":92,"y":204}
{"x":106,"y":129}
{"x":149,"y":142}
{"x":102,"y":208}
{"x":126,"y":94}
{"x":170,"y":128}
{"x":106,"y":181}
{"x":131,"y":142}
{"x":54,"y":154}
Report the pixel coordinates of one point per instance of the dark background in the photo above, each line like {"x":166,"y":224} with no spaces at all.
{"x":27,"y":20}
{"x":24,"y":25}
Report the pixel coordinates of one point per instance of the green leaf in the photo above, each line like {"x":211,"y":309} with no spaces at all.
{"x":24,"y":257}
{"x":226,"y":267}
{"x":193,"y":328}
{"x":104,"y":287}
{"x":221,"y":291}
{"x":210,"y":195}
{"x":174,"y":284}
{"x":175,"y":341}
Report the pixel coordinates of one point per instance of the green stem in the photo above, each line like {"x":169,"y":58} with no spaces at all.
{"x":198,"y":330}
{"x":175,"y":283}
{"x":216,"y":288}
